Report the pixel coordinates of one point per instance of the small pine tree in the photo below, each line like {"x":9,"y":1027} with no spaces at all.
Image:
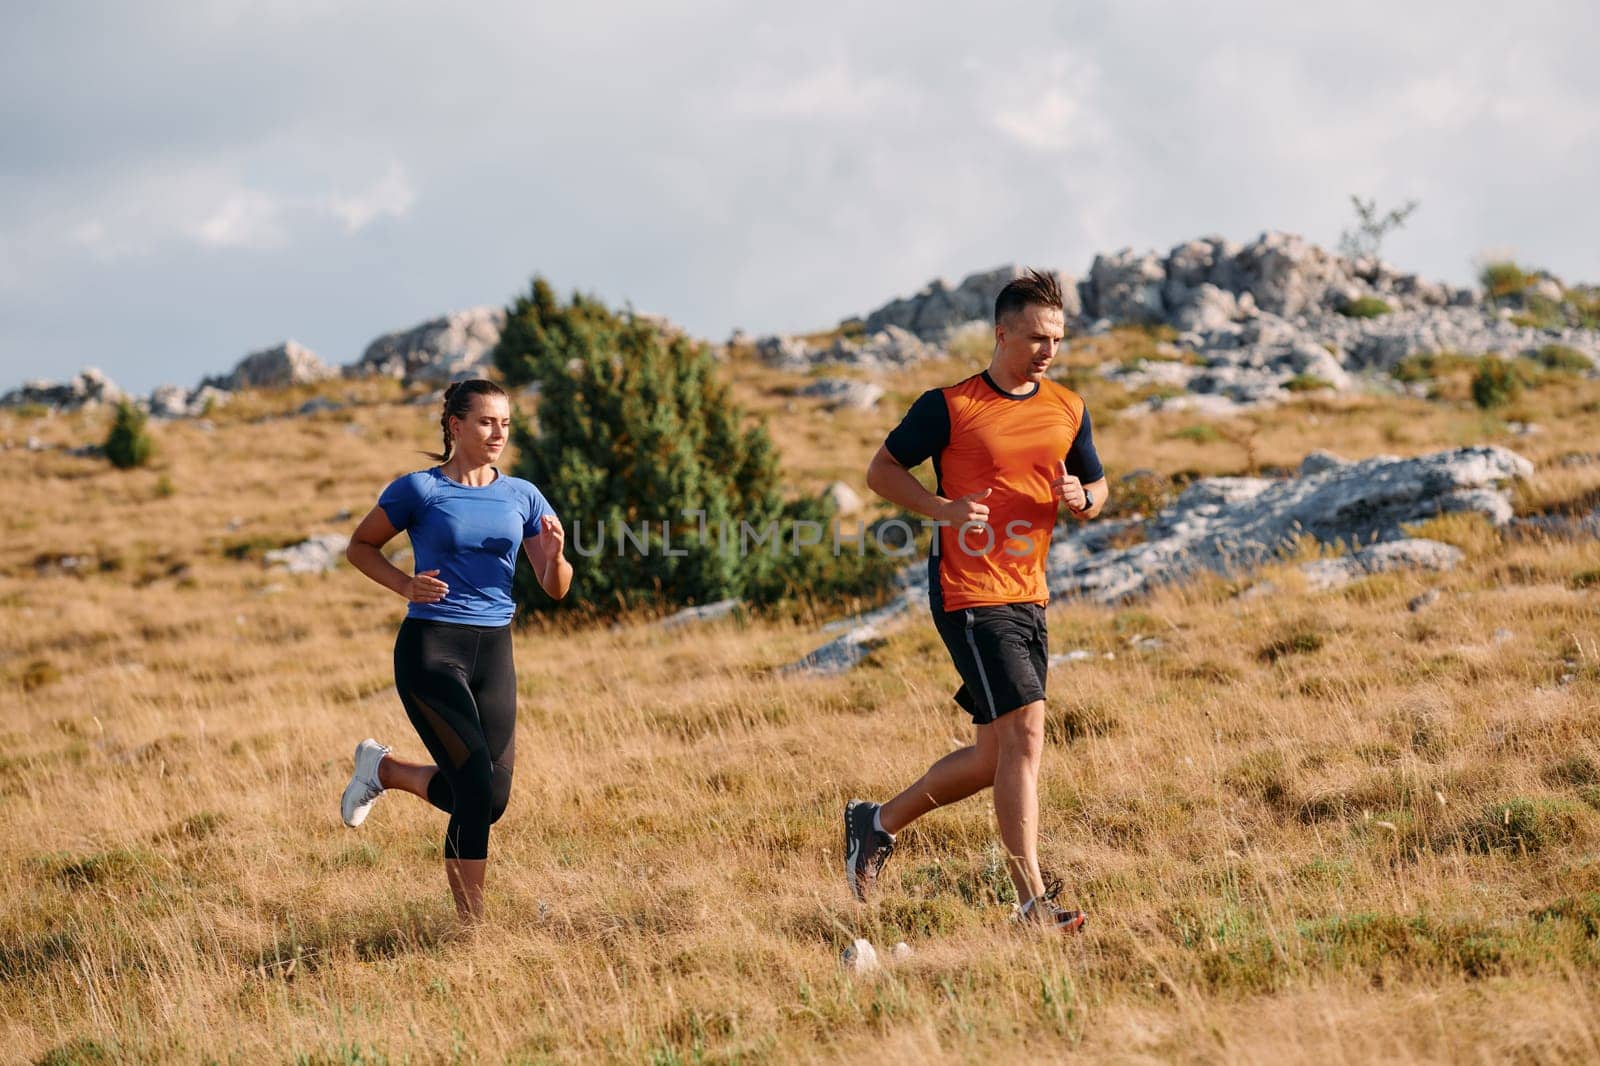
{"x":635,"y":431}
{"x":1495,"y":384}
{"x":128,"y":444}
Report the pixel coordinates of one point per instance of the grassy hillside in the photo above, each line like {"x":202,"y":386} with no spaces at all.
{"x":1307,"y":826}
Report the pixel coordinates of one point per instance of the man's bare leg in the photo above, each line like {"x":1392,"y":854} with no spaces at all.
{"x":1019,"y":737}
{"x":962,"y":773}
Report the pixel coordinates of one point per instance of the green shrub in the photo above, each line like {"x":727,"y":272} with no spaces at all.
{"x":666,"y":494}
{"x":1306,"y":383}
{"x":1540,"y":312}
{"x":1298,"y":640}
{"x":1504,"y":278}
{"x":1525,"y":825}
{"x":1365,"y":307}
{"x":1426,"y":366}
{"x":1561,"y":357}
{"x":128,"y":444}
{"x":1496,"y":383}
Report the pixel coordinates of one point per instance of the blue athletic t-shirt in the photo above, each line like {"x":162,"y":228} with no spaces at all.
{"x":470,"y":535}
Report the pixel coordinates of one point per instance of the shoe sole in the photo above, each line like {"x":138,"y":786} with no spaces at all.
{"x":852,"y":845}
{"x":360,"y":814}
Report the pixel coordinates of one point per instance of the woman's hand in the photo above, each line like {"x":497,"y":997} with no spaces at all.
{"x":546,"y":551}
{"x":426,"y":588}
{"x":553,"y":535}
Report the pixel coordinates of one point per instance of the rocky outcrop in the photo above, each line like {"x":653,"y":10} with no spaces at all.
{"x":1281,"y":274}
{"x":1407,"y":554}
{"x":839,"y":392}
{"x":882,"y":349}
{"x":1228,"y":524}
{"x":1232,"y":525}
{"x":88,"y":389}
{"x":288,"y":363}
{"x":1262,"y":320}
{"x":171,"y":401}
{"x":453,"y":347}
{"x":938,"y":310}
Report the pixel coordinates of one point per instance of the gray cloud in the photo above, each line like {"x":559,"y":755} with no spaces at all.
{"x":182,"y":183}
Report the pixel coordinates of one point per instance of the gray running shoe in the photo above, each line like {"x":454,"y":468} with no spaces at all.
{"x":363,"y":790}
{"x":1042,"y":911}
{"x":866,"y":849}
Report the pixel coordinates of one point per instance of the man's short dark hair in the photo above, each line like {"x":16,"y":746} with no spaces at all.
{"x":1036,"y":287}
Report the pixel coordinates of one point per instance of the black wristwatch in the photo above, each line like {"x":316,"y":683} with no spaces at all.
{"x":1088,"y":503}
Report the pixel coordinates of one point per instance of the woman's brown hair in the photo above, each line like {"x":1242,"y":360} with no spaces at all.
{"x":457,"y":402}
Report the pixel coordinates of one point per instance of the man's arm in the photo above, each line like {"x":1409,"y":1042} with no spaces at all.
{"x":899,"y":486}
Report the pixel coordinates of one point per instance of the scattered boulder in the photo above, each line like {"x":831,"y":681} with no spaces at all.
{"x":881,"y":350}
{"x":89,"y":388}
{"x":846,"y":501}
{"x":289,"y":363}
{"x":173,"y":401}
{"x":1408,"y":554}
{"x":705,"y":612}
{"x":1425,"y":600}
{"x":453,"y":347}
{"x":860,"y":957}
{"x":862,"y":634}
{"x":318,"y":405}
{"x":316,"y":555}
{"x":840,"y":392}
{"x":1229,"y":524}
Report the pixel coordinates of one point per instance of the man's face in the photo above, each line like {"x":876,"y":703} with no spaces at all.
{"x":1026,"y":341}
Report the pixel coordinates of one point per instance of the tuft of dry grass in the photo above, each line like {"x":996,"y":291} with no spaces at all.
{"x":1308,"y":826}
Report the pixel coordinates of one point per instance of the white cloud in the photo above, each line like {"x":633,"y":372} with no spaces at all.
{"x":832,"y":91}
{"x":391,"y":196}
{"x":1052,"y":112}
{"x":246,"y":218}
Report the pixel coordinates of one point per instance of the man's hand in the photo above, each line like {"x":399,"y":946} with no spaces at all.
{"x":1068,"y":489}
{"x":967,"y":510}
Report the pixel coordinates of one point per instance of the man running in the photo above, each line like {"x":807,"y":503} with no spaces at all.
{"x":1007,"y":446}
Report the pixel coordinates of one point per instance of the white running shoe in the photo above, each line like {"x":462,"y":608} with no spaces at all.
{"x":363,"y":790}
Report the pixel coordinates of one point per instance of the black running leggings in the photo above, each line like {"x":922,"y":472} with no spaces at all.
{"x":459,"y":688}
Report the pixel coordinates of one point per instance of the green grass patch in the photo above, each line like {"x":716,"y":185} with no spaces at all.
{"x":1298,"y":640}
{"x":1307,"y":383}
{"x":1199,"y":433}
{"x":1526,"y":825}
{"x":1366,"y":307}
{"x":1430,"y":366}
{"x":1563,"y":358}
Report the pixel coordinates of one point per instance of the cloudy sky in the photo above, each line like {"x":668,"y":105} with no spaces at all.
{"x":183,"y":183}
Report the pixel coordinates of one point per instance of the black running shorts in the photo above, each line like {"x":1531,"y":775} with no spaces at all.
{"x":1002,"y":654}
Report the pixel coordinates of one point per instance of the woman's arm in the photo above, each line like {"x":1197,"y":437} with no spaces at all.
{"x":366,"y":555}
{"x":545,"y":552}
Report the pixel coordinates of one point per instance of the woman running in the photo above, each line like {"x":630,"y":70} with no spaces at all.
{"x":452,"y":659}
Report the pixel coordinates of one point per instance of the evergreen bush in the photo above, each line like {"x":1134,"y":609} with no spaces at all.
{"x":667,"y":497}
{"x":1496,"y":383}
{"x":128,"y":444}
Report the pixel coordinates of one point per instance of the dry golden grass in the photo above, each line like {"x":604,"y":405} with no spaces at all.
{"x":1307,"y":826}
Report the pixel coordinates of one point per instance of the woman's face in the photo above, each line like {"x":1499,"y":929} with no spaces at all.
{"x":480,"y":435}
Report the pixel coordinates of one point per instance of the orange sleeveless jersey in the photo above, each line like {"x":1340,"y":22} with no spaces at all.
{"x":980,"y":437}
